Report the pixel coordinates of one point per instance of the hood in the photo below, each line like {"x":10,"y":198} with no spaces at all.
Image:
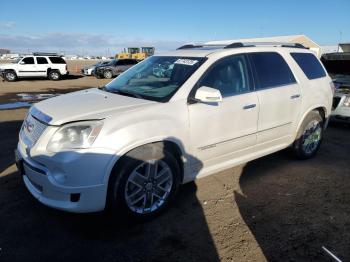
{"x":6,"y":65}
{"x":85,"y":105}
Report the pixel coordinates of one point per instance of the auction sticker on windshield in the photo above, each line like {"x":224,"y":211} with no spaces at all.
{"x":182,"y":61}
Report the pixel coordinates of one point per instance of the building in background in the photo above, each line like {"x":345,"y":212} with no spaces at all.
{"x":345,"y":47}
{"x":300,"y":39}
{"x":4,"y":51}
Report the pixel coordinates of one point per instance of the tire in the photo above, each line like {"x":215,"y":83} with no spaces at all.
{"x":107,"y":74}
{"x":144,"y":183}
{"x":309,"y":136}
{"x":54,"y":75}
{"x":10,"y":76}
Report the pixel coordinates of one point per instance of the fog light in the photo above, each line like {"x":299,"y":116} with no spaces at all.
{"x":74,"y":197}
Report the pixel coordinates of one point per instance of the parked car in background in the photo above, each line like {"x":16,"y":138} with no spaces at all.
{"x":338,"y":67}
{"x":87,"y":70}
{"x":170,"y":119}
{"x":46,"y":65}
{"x":341,"y":100}
{"x":113,"y":68}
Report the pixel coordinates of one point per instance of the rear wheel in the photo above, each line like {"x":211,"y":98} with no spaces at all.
{"x":309,"y":136}
{"x":54,"y":75}
{"x":145,"y":182}
{"x":10,"y":76}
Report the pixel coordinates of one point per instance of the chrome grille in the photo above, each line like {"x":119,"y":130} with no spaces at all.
{"x":31,"y":130}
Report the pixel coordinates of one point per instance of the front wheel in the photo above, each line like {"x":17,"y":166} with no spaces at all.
{"x":145,"y":182}
{"x":309,"y":136}
{"x":107,"y":74}
{"x":10,"y":76}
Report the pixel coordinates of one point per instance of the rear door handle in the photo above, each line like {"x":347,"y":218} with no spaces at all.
{"x":295,"y":96}
{"x":249,"y":106}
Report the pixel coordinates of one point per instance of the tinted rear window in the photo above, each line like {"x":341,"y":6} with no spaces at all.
{"x":271,"y":70}
{"x":309,"y":64}
{"x":41,"y":60}
{"x":57,"y":60}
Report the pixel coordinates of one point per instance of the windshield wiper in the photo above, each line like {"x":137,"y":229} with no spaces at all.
{"x":126,"y":93}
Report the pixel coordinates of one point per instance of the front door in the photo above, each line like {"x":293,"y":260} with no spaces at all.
{"x":27,"y":67}
{"x":218,"y":131}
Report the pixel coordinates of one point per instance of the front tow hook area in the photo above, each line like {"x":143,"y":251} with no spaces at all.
{"x":19,"y":162}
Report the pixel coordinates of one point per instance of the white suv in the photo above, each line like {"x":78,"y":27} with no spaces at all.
{"x":169,"y":120}
{"x":36,"y":65}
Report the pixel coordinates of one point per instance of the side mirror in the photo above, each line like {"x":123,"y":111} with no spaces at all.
{"x":21,"y":63}
{"x":208,"y":95}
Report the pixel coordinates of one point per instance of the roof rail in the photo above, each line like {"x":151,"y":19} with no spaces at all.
{"x":189,"y":46}
{"x":45,"y":54}
{"x":246,"y":44}
{"x":254,"y":44}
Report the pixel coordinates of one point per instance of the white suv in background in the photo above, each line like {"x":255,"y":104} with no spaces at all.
{"x":47,"y":65}
{"x":170,"y":119}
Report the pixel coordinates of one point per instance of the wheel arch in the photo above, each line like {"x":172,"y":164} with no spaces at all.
{"x":321,"y":109}
{"x":172,"y":145}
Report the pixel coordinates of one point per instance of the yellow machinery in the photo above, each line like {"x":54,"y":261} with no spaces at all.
{"x":136,"y":53}
{"x":128,"y":54}
{"x":145,"y":52}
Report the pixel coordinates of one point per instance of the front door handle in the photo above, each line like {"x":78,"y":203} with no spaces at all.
{"x":249,"y":106}
{"x":295,"y":96}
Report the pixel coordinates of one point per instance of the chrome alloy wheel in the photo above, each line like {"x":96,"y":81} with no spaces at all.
{"x":312,"y":137}
{"x":148,"y":186}
{"x":108,"y":74}
{"x":10,"y":76}
{"x":55,"y":76}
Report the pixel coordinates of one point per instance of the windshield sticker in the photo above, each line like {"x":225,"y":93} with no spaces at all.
{"x":189,"y":62}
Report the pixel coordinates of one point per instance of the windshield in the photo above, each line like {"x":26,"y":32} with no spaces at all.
{"x":16,"y":60}
{"x":156,"y":78}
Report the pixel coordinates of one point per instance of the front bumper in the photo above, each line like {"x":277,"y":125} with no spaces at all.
{"x":43,"y":186}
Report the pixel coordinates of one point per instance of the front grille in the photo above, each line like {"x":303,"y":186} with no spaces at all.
{"x":31,"y":130}
{"x":336,"y":101}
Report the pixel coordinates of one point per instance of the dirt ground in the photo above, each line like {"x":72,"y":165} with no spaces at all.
{"x":273,"y":209}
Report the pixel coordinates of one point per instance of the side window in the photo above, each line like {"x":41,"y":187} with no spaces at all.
{"x":271,"y":70}
{"x":57,"y":60}
{"x":309,"y":64}
{"x":121,"y":62}
{"x":28,"y":60}
{"x":229,"y":75}
{"x":41,"y":60}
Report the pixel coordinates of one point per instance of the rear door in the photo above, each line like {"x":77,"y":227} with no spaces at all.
{"x":220,"y":131}
{"x":125,"y":64}
{"x":279,"y":96}
{"x":41,"y":66}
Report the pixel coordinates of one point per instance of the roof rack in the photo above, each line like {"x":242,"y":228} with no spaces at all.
{"x":246,"y":44}
{"x":45,"y":54}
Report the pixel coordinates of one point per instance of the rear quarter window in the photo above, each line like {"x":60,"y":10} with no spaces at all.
{"x":57,"y":60}
{"x":310,"y":65}
{"x":271,"y":70}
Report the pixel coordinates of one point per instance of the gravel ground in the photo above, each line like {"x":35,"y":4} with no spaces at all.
{"x":272,"y":209}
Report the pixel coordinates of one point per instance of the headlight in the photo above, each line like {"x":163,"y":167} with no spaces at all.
{"x":75,"y":136}
{"x":347,"y":101}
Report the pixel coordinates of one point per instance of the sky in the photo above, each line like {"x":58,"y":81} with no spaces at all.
{"x":106,"y":27}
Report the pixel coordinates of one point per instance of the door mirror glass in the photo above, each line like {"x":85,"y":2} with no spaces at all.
{"x":208,"y":95}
